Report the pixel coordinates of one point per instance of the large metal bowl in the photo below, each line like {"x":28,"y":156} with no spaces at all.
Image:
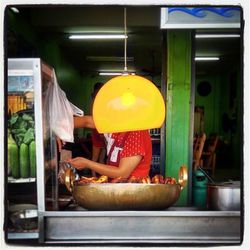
{"x":126,"y":196}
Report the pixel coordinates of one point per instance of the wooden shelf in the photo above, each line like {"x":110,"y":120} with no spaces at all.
{"x":23,"y":235}
{"x":20,"y":180}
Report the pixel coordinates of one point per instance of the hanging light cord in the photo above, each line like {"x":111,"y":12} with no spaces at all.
{"x":125,"y":40}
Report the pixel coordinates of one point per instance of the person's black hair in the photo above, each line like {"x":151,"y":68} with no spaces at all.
{"x":97,"y":86}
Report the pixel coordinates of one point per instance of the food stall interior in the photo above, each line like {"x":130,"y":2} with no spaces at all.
{"x":208,"y":141}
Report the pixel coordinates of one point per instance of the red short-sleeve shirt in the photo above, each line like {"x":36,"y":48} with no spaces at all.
{"x":136,"y":143}
{"x":97,"y":139}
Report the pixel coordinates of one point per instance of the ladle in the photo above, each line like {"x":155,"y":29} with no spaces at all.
{"x":207,"y":175}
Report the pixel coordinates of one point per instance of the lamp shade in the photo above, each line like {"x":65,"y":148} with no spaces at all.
{"x":128,"y":103}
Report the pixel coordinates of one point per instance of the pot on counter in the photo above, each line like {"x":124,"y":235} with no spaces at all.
{"x":223,"y":196}
{"x":23,"y":216}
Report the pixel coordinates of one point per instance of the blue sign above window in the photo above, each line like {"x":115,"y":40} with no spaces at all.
{"x":202,"y":17}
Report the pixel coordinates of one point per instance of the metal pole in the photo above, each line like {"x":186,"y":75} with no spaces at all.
{"x":125,"y":40}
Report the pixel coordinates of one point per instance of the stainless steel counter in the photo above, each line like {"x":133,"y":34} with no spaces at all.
{"x":174,"y":225}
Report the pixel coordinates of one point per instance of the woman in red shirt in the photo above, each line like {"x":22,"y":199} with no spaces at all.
{"x":129,"y":153}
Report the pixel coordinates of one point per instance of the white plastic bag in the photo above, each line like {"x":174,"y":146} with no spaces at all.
{"x":61,"y":112}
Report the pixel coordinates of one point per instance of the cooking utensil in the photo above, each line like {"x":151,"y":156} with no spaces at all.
{"x":63,"y":166}
{"x":223,"y":196}
{"x":125,"y":196}
{"x":206,"y":174}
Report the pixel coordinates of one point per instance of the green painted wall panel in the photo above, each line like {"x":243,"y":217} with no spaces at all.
{"x":20,"y":27}
{"x":211,"y":103}
{"x":178,"y":104}
{"x":216,"y":104}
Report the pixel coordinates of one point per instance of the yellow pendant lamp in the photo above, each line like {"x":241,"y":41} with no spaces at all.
{"x":128,"y":103}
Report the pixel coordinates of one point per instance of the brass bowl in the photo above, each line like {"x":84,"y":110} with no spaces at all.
{"x":126,"y":196}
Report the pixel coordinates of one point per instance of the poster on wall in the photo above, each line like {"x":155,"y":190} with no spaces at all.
{"x":20,"y":80}
{"x":20,"y":83}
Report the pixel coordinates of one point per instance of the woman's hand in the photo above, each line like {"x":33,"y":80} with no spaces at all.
{"x":78,"y":162}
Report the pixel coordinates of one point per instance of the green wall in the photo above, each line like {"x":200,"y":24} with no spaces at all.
{"x":217,"y":103}
{"x":20,"y":27}
{"x":212,"y":103}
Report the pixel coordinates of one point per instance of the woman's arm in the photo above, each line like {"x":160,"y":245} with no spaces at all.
{"x":126,"y":166}
{"x":79,"y":122}
{"x":85,"y":121}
